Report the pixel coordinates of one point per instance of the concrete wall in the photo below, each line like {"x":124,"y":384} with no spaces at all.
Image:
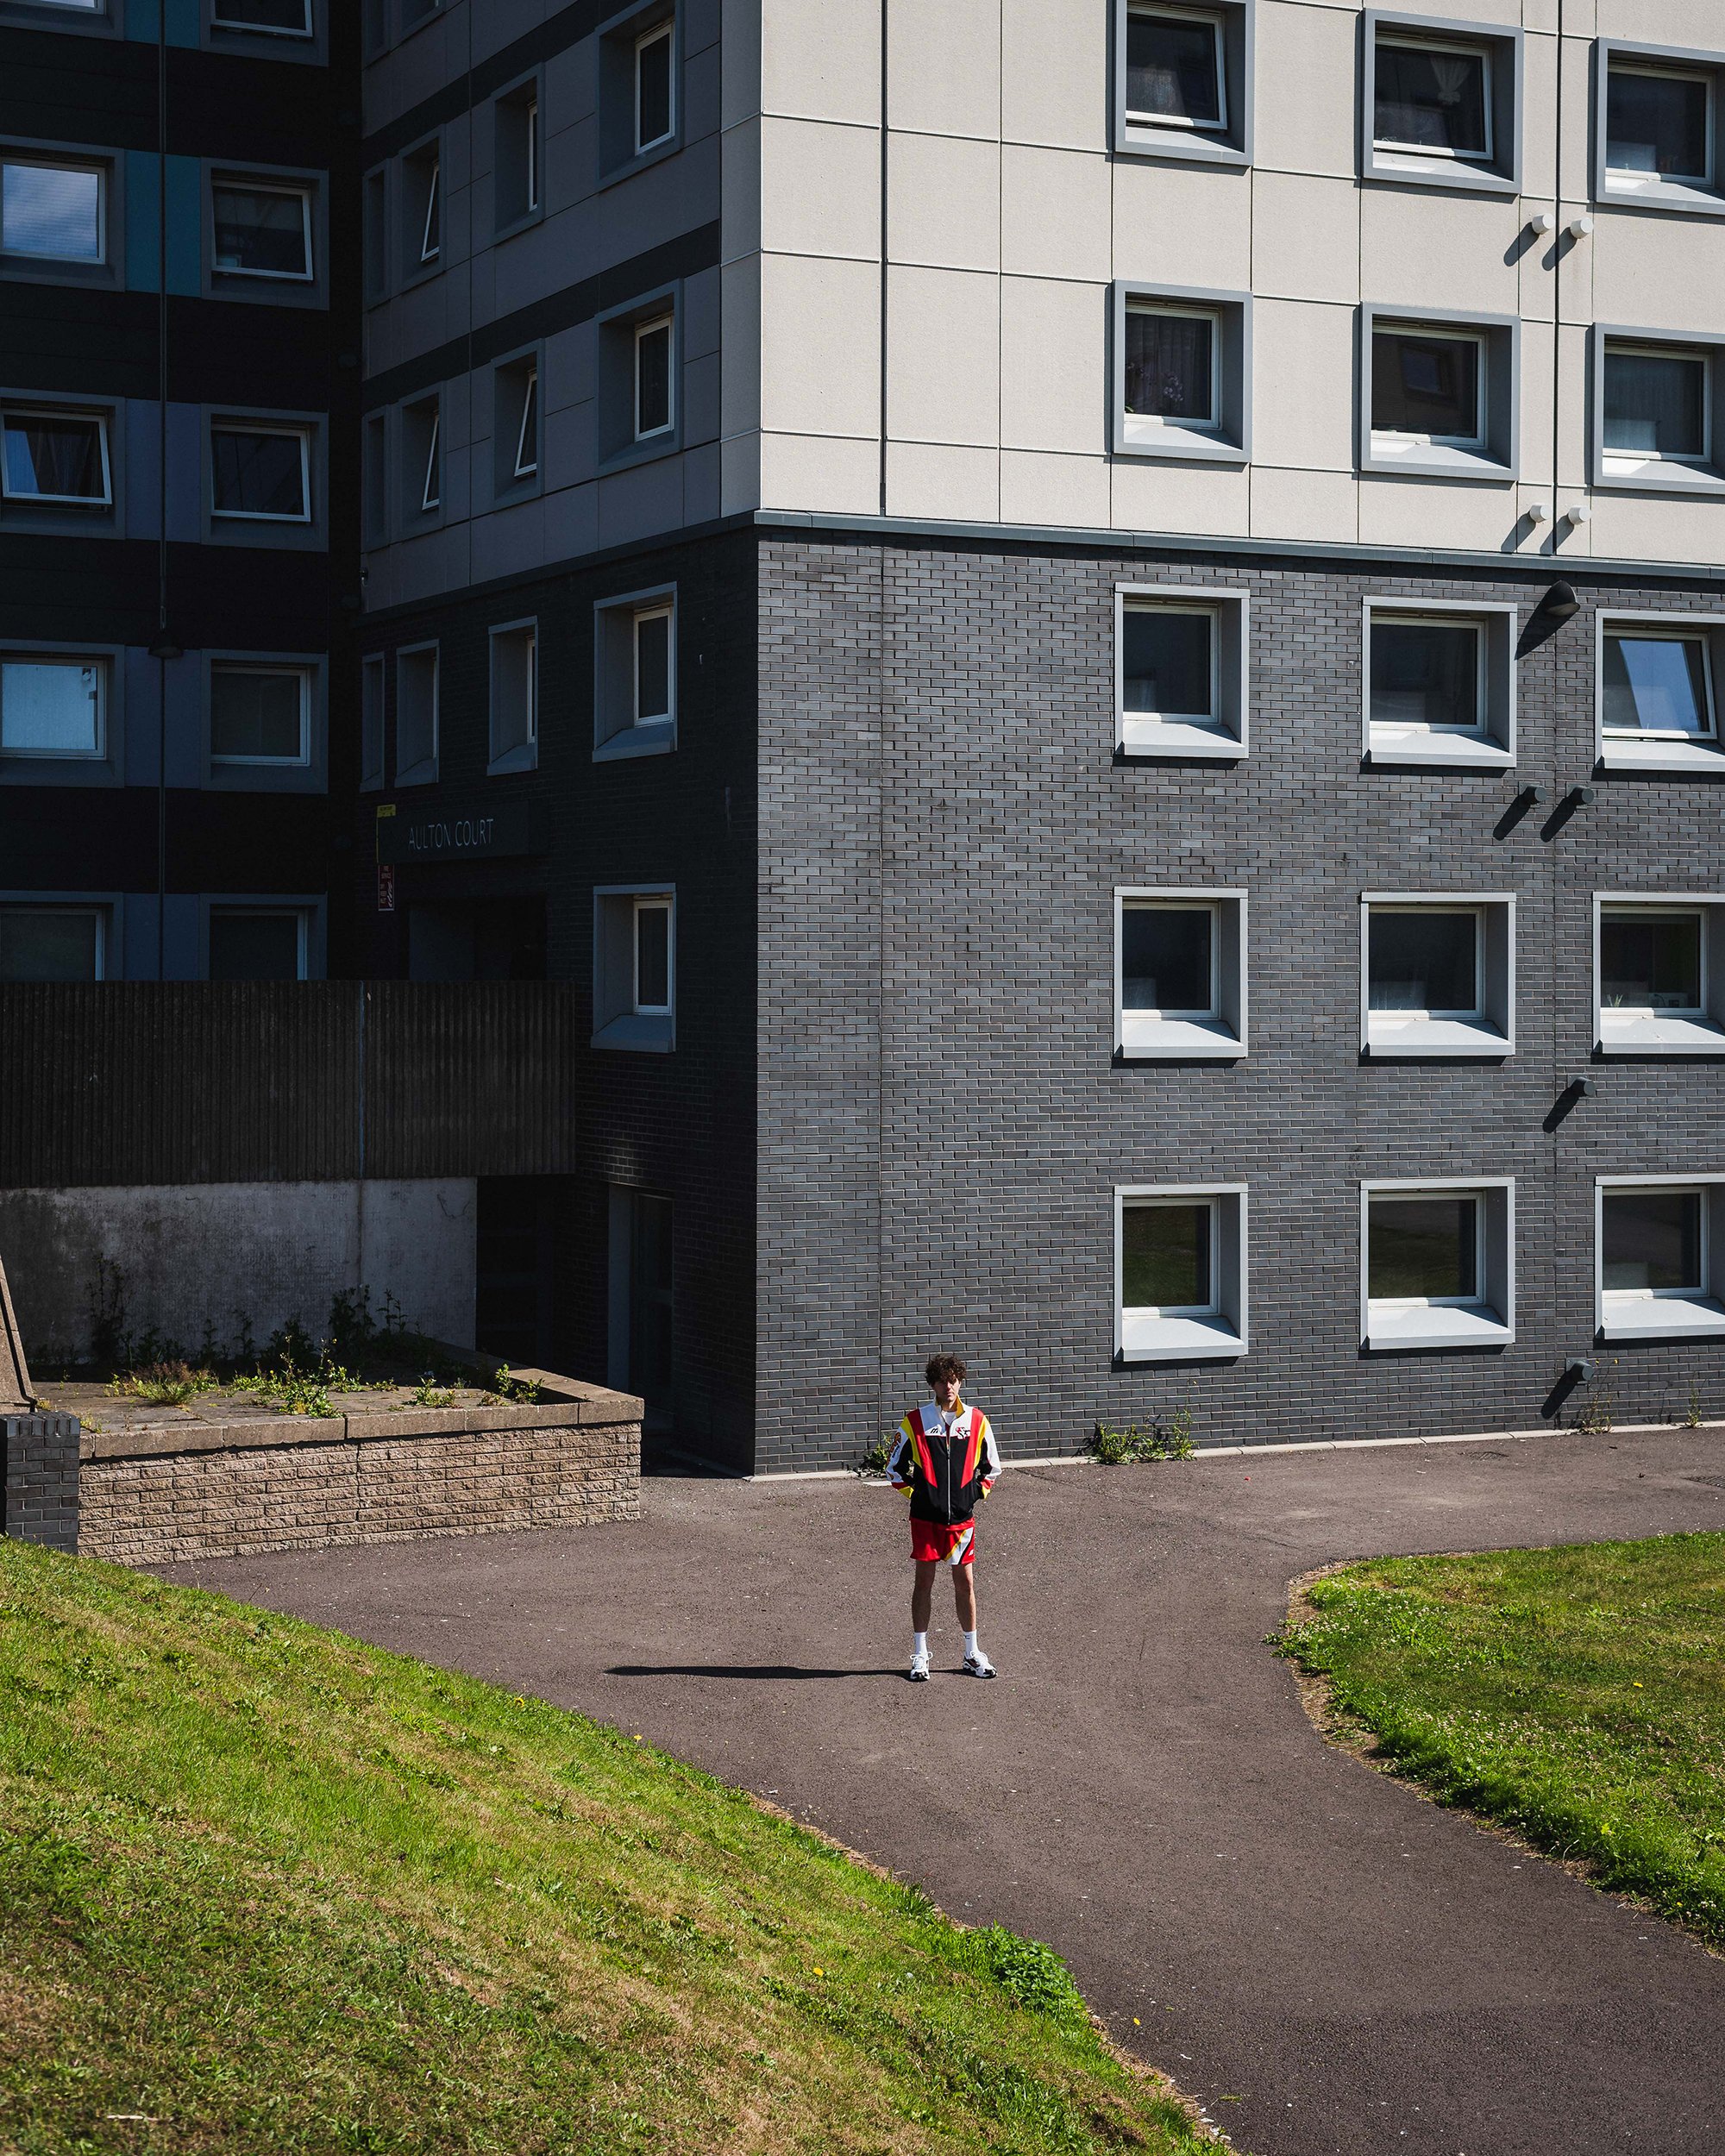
{"x":209,"y":1254}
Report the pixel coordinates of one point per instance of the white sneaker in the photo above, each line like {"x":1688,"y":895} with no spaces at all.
{"x":920,"y":1666}
{"x":978,"y":1665}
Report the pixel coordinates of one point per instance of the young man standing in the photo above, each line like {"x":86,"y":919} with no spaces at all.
{"x":946,"y":1458}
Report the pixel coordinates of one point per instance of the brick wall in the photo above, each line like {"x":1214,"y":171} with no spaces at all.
{"x":942,"y":1125}
{"x":218,"y":1491}
{"x":41,"y":1478}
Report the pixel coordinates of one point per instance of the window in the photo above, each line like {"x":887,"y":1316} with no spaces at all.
{"x":1655,"y":421}
{"x":374,"y":235}
{"x":422,"y":460}
{"x":371,"y":721}
{"x":1659,"y":974}
{"x":260,"y":715}
{"x":1656,"y":680}
{"x":516,"y":425}
{"x":1180,"y":975}
{"x":653,"y":385}
{"x":53,"y":213}
{"x":654,"y":87}
{"x":1438,"y":974}
{"x":262,"y":231}
{"x":422,"y":209}
{"x":1437,"y":1264}
{"x":635,"y":966}
{"x":258,"y":942}
{"x":1441,"y":103}
{"x":514,"y":697}
{"x":1439,"y":395}
{"x":1182,"y":76}
{"x":56,"y":456}
{"x":261,"y":473}
{"x":274,"y":18}
{"x":515,"y":161}
{"x":53,"y":942}
{"x":1183,"y":368}
{"x":416,"y":715}
{"x":1440,"y":684}
{"x":1180,"y":1273}
{"x":1181,"y":672}
{"x":1656,"y":128}
{"x":635,"y":678}
{"x":53,"y":706}
{"x":1656,"y":1241}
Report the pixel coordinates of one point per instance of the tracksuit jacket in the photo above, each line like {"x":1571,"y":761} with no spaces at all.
{"x":946,"y":1462}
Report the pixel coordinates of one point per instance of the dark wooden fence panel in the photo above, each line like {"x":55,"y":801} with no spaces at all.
{"x":267,"y":1082}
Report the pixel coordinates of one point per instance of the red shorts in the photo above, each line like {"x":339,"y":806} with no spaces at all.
{"x":933,"y":1544}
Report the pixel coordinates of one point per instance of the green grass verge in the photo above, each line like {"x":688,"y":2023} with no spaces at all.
{"x":262,"y":1887}
{"x":1576,"y":1694}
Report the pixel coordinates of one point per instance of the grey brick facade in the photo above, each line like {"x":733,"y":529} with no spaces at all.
{"x":39,"y":1453}
{"x":941,"y":1122}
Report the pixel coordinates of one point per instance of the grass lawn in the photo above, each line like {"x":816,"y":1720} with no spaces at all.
{"x":1577,"y":1693}
{"x":264,"y":1888}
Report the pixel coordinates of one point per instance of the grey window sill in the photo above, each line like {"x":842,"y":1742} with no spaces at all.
{"x":1180,"y":143}
{"x":1652,"y":476}
{"x":636,"y":741}
{"x":418,"y":774}
{"x":1173,"y":738}
{"x":1669,"y":198}
{"x":59,"y":770}
{"x":633,"y":453}
{"x":1670,"y":1035}
{"x":263,"y":778}
{"x":1385,"y":1041}
{"x":1663,"y":1317}
{"x":47,"y":269}
{"x":1431,"y":461}
{"x":1391,"y":750}
{"x":524,"y":757}
{"x":654,"y":1037}
{"x":524,"y":223}
{"x":1682,"y":759}
{"x":639,"y":162}
{"x":1419,"y":1327}
{"x":1406,"y":168}
{"x":1180,"y":444}
{"x":1153,"y":1040}
{"x":1179,"y":1340}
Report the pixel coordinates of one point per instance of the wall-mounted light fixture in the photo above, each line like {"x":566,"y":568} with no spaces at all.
{"x":1559,"y":602}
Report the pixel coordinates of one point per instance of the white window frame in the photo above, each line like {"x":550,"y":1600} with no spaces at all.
{"x":1211,"y":1333}
{"x":41,"y":162}
{"x":527,"y":435}
{"x":651,"y":326}
{"x":427,"y":768}
{"x":1634,"y":1030}
{"x":1217,"y":1034}
{"x":1383,"y":616}
{"x":1402,"y":1323}
{"x":1410,"y":40}
{"x":428,"y":502}
{"x":1491,"y":745}
{"x":1660,"y":749}
{"x":619,"y":1019}
{"x":1224,"y":736}
{"x":1213,"y":23}
{"x":655,"y":902}
{"x":430,"y":250}
{"x":1489,"y":1029}
{"x":660,"y":33}
{"x":522,"y":754}
{"x":303,"y":674}
{"x":1475,"y":1011}
{"x":1664,"y":632}
{"x":239,"y":183}
{"x":1394,"y":437}
{"x":51,"y":903}
{"x":1185,"y":312}
{"x":530,"y":116}
{"x":103,"y":669}
{"x":665,"y":610}
{"x":1661,"y":1313}
{"x":24,"y":409}
{"x":219,"y":21}
{"x":284,"y":432}
{"x":1626,"y":178}
{"x":1625,"y":460}
{"x":302,"y":917}
{"x":617,"y":659}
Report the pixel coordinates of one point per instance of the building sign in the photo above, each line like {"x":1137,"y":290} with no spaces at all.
{"x":385,"y":886}
{"x":436,"y":833}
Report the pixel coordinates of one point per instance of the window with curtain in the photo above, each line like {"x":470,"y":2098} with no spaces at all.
{"x":262,"y":231}
{"x":51,"y":212}
{"x":261,"y":473}
{"x":1170,"y":366}
{"x":1432,"y":99}
{"x":1175,"y":71}
{"x":1656,"y":403}
{"x":1659,"y":125}
{"x":52,"y":456}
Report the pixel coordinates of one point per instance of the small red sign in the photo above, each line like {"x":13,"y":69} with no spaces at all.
{"x":385,"y":886}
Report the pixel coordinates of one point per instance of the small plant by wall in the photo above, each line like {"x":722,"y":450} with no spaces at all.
{"x":1156,"y":1440}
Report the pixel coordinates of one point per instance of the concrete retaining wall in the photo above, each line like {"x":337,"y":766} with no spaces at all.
{"x":224,"y":1254}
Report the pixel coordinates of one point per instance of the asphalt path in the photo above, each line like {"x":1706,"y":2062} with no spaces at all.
{"x":1327,"y":1961}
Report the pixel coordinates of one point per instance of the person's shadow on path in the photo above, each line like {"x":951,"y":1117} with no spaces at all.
{"x":739,"y":1668}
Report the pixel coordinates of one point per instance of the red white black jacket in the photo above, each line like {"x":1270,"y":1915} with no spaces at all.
{"x":947,"y":1461}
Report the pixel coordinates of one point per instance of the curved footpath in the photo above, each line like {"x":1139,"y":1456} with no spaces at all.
{"x":1363,"y":1971}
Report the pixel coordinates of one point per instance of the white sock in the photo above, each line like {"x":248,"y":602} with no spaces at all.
{"x":918,"y":1643}
{"x":970,"y":1643}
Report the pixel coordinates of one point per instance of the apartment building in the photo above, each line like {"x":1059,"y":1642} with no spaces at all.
{"x":178,"y":508}
{"x":1086,"y":631}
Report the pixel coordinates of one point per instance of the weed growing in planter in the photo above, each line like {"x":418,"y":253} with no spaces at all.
{"x":166,"y":1384}
{"x":1170,"y":1440}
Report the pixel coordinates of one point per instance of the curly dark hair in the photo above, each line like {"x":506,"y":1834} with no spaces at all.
{"x":941,"y":1366}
